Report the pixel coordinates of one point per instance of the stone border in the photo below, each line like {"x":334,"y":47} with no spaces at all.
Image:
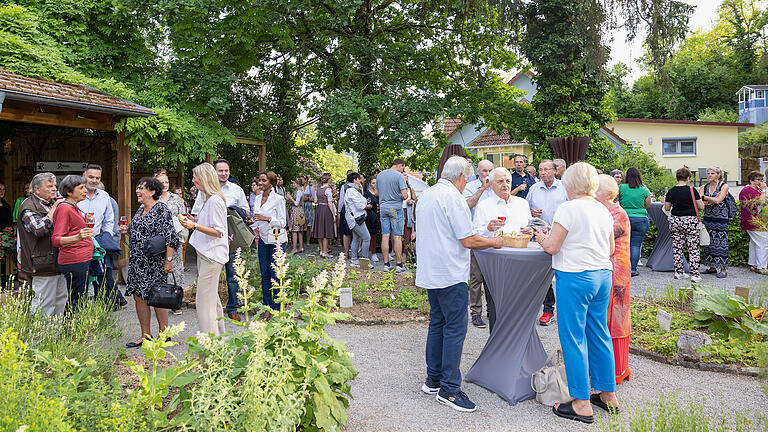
{"x":381,"y":321}
{"x":702,"y":366}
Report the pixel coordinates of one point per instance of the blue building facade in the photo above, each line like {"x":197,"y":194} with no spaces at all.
{"x":752,"y":104}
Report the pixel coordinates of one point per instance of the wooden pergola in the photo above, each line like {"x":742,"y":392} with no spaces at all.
{"x":29,"y":104}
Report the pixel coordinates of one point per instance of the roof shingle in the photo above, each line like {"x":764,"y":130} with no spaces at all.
{"x":74,"y":93}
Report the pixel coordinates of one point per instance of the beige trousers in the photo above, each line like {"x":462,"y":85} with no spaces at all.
{"x":207,"y":301}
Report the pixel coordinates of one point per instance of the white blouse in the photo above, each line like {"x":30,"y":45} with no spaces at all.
{"x":274,"y":208}
{"x":213,"y":214}
{"x":354,"y":203}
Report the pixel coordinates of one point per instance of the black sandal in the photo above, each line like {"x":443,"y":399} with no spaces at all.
{"x":710,"y":271}
{"x":596,"y":401}
{"x":565,"y":410}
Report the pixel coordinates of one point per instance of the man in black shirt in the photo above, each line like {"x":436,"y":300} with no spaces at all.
{"x":521,"y":180}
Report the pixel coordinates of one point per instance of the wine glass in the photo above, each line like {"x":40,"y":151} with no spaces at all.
{"x":123,"y":220}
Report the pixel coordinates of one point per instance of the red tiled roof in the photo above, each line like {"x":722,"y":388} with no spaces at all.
{"x":491,"y":138}
{"x":60,"y":93}
{"x":451,"y":125}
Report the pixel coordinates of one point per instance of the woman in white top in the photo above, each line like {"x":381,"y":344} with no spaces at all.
{"x":581,"y":243}
{"x":269,"y":213}
{"x":356,"y":205}
{"x":209,"y":238}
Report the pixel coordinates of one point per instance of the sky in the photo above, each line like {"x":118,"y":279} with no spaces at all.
{"x":703,"y":18}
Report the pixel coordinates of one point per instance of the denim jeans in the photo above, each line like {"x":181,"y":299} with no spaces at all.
{"x":360,"y":234}
{"x":639,"y":226}
{"x":76,"y":276}
{"x":232,"y":287}
{"x":445,"y":337}
{"x":266,"y":259}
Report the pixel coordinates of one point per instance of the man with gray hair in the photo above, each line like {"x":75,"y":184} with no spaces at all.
{"x":445,"y":237}
{"x":37,"y":256}
{"x":560,"y":166}
{"x":505,"y":212}
{"x":476,"y":191}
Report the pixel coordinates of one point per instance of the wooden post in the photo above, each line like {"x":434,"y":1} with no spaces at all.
{"x":123,"y":186}
{"x":180,"y":173}
{"x":262,"y":158}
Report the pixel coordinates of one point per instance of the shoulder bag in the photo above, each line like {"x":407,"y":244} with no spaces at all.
{"x":277,"y":236}
{"x":703,"y":233}
{"x":730,"y":203}
{"x":550,"y":382}
{"x":164,"y":295}
{"x":241,"y":235}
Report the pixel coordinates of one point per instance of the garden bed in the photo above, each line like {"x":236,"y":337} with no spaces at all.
{"x":647,"y":335}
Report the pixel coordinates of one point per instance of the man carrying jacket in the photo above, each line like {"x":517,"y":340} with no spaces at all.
{"x":37,"y":254}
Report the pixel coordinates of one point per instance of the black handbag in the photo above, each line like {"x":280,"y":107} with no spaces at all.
{"x":154,"y":245}
{"x":166,"y":296}
{"x":360,"y":219}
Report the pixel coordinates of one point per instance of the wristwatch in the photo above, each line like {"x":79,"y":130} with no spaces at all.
{"x":169,"y":259}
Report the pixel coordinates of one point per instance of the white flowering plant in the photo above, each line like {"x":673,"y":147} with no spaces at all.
{"x":280,"y":374}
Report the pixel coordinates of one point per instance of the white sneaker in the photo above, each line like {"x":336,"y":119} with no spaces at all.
{"x":681,"y":275}
{"x":695,"y":279}
{"x":354,"y":263}
{"x":375,"y":258}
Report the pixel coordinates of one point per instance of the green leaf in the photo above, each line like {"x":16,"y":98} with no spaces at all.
{"x":703,"y":315}
{"x":719,"y":328}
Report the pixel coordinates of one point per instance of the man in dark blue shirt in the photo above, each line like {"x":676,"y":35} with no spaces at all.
{"x":521,"y":180}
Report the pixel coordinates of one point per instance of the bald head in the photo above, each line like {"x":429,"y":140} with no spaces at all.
{"x":484,"y":168}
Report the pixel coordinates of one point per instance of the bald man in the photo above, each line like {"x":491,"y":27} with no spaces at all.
{"x":475,"y":192}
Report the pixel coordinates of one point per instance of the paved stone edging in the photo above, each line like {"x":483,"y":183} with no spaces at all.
{"x":703,"y":366}
{"x":381,"y":321}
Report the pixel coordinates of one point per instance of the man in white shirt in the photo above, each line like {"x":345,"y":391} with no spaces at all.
{"x":476,"y":191}
{"x":445,"y":237}
{"x":544,"y":198}
{"x":99,"y":204}
{"x":235,"y":197}
{"x":503,"y":211}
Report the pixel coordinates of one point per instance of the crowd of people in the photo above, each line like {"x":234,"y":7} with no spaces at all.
{"x":592,"y":224}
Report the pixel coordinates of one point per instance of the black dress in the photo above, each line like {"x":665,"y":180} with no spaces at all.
{"x":6,"y":215}
{"x":143,"y":270}
{"x":372,"y":220}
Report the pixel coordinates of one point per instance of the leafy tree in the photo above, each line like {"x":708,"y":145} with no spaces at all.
{"x":563,"y":43}
{"x":719,"y":115}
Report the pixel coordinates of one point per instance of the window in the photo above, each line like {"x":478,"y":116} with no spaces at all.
{"x":679,"y":146}
{"x":759,"y":94}
{"x":496,"y":158}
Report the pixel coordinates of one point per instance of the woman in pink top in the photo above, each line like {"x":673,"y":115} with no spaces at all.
{"x":752,"y":200}
{"x":73,"y":238}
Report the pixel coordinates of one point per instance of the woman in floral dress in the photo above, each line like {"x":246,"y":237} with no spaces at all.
{"x":619,"y":317}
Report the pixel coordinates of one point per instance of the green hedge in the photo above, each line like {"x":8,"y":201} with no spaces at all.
{"x":738,"y":242}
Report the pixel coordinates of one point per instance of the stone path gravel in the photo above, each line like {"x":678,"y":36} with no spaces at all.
{"x":390,"y":362}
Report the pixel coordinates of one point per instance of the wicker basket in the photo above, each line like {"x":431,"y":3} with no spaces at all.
{"x":517,"y":242}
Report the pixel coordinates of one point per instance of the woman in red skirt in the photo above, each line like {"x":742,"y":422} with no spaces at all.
{"x":619,"y":318}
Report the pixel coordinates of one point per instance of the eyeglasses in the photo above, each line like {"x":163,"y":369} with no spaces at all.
{"x":140,"y":187}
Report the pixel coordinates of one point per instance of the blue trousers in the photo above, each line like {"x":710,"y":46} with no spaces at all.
{"x":639,"y":227}
{"x":266,"y":259}
{"x":445,"y":337}
{"x":582,"y":304}
{"x":76,"y":276}
{"x":232,"y":287}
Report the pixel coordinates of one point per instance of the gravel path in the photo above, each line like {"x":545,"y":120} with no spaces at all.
{"x":390,"y":362}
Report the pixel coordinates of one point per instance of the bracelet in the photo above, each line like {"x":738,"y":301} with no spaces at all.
{"x":194,"y":227}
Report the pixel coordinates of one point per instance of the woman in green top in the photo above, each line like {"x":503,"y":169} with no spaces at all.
{"x":635,"y":198}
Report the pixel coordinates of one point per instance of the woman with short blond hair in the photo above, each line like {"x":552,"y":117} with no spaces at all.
{"x":209,"y":238}
{"x":581,"y":243}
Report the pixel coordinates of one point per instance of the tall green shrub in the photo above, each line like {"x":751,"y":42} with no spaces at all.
{"x":655,"y":176}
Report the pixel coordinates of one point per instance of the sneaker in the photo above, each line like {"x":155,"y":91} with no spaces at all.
{"x":354,"y":263}
{"x":460,"y":401}
{"x":399,"y":269}
{"x":546,"y":319}
{"x":176,"y":312}
{"x":681,"y":275}
{"x":375,"y":258}
{"x":695,"y":279}
{"x":388,"y":266}
{"x":430,"y":388}
{"x":478,"y":322}
{"x":635,"y":273}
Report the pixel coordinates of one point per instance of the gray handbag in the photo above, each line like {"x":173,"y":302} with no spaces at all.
{"x":550,"y":382}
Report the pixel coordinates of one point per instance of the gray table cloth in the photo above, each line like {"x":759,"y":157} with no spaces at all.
{"x":660,"y":259}
{"x":518,"y":280}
